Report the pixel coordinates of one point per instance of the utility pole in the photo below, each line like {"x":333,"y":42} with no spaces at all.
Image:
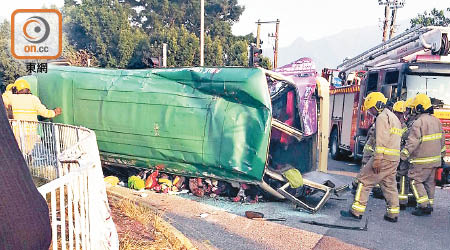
{"x":275,"y":56}
{"x":258,"y":33}
{"x":164,"y":55}
{"x":393,"y":16}
{"x":389,"y":28}
{"x":275,"y":51}
{"x":386,"y":23}
{"x":202,"y":32}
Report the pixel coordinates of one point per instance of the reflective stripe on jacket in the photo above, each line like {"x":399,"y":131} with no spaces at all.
{"x":425,"y":142}
{"x":388,"y":136}
{"x":27,"y":107}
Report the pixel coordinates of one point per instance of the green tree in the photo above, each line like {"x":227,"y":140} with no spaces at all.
{"x":435,"y":17}
{"x":238,"y":55}
{"x":152,"y":14}
{"x":220,"y":43}
{"x":266,"y":63}
{"x":10,"y":68}
{"x":128,"y":33}
{"x":142,"y":55}
{"x":82,"y":58}
{"x":182,"y":46}
{"x":213,"y":52}
{"x":102,"y":28}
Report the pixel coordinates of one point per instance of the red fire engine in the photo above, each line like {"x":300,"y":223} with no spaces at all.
{"x":413,"y":62}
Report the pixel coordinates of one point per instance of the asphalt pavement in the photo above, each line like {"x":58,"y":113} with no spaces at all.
{"x":410,"y":232}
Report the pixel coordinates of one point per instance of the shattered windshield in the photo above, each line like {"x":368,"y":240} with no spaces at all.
{"x":434,"y":86}
{"x":276,"y":87}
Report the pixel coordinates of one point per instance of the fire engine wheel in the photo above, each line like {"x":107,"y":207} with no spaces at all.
{"x":336,"y":153}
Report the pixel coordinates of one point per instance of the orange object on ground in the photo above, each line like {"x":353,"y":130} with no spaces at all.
{"x":151,"y":181}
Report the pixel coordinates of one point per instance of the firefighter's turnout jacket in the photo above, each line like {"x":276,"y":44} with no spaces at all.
{"x":6,"y":101}
{"x":388,"y":135}
{"x":423,"y":149}
{"x":388,"y":132}
{"x":6,"y":96}
{"x":26,"y":107}
{"x":425,"y":144}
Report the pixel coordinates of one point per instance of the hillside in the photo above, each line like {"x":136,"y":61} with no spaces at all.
{"x":331,"y":51}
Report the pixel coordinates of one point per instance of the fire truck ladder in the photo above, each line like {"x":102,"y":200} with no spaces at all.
{"x":410,"y":42}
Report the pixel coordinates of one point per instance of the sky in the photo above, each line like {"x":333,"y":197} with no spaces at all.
{"x":314,"y":19}
{"x":308,"y":19}
{"x":9,"y":6}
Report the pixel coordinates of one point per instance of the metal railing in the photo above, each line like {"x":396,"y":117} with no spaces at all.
{"x":68,"y":157}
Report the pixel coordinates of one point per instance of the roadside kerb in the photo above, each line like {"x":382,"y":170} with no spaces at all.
{"x":175,"y":237}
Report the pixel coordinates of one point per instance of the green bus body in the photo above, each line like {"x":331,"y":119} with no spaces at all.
{"x":204,"y":122}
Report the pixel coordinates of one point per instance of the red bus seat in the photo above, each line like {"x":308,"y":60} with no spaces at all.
{"x":290,"y":113}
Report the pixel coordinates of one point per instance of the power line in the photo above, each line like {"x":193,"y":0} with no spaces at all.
{"x":393,"y":5}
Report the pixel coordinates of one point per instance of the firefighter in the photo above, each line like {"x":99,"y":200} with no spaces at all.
{"x":382,"y":166}
{"x":10,"y":89}
{"x":399,"y":109}
{"x":26,"y":107}
{"x":424,"y":148}
{"x":368,"y":152}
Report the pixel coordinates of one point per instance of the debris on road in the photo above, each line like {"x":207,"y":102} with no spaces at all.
{"x":315,"y":223}
{"x":260,"y":216}
{"x":135,"y":182}
{"x":111,"y":180}
{"x":160,"y":182}
{"x":203,"y":215}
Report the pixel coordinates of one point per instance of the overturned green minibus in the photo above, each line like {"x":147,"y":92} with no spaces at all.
{"x":221,"y":123}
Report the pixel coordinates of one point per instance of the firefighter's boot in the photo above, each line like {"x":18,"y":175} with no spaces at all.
{"x":421,"y":211}
{"x":390,"y":219}
{"x":349,"y":214}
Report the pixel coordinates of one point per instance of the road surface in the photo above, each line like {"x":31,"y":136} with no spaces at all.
{"x":220,"y":224}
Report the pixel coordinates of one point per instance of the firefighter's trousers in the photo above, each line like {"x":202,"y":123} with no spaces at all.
{"x":404,"y":183}
{"x":26,"y":135}
{"x":423,"y":184}
{"x":404,"y":190}
{"x":368,"y":179}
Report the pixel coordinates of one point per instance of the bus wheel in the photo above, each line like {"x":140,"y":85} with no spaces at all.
{"x":334,"y":147}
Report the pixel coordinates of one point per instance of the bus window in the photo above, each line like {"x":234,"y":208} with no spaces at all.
{"x":372,"y":82}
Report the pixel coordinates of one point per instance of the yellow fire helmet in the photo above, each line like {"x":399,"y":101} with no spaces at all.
{"x":375,"y":99}
{"x":409,"y":103}
{"x":21,"y":84}
{"x":9,"y":87}
{"x":399,"y":107}
{"x":422,"y":102}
